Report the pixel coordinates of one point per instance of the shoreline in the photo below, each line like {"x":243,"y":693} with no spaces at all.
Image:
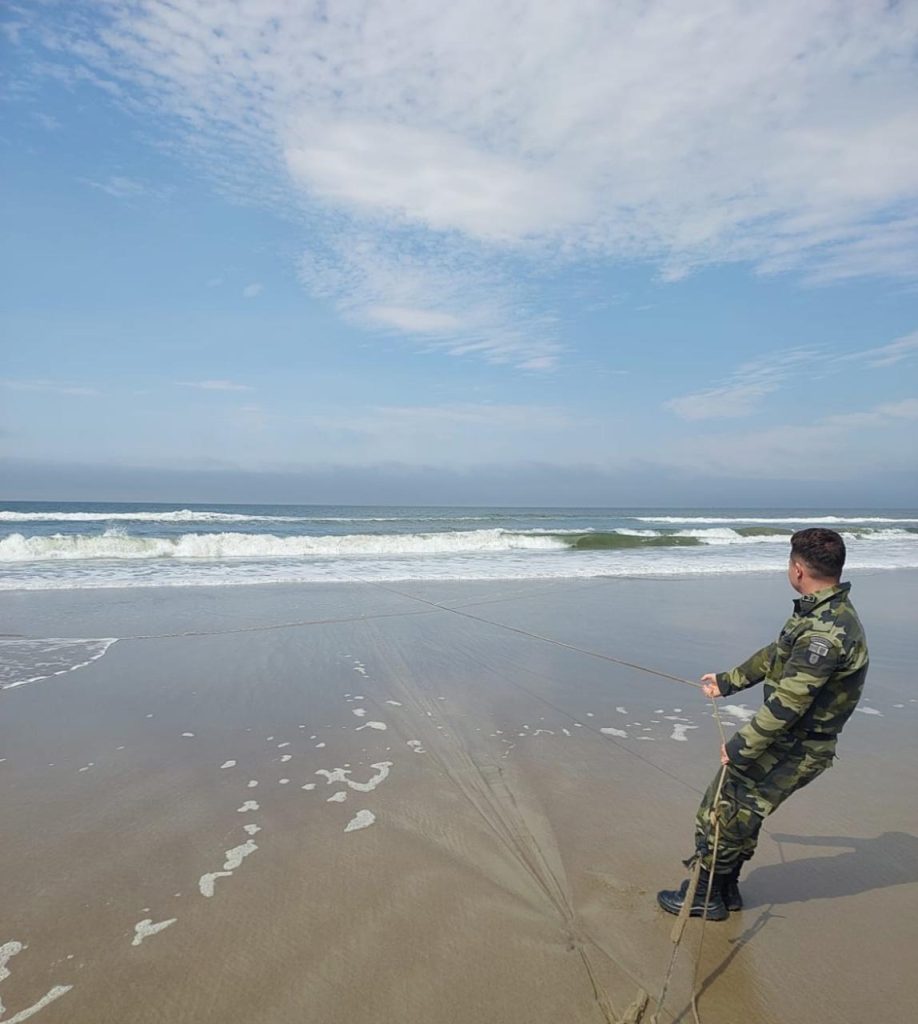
{"x":508,"y":832}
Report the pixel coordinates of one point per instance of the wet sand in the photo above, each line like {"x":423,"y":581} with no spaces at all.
{"x":344,"y":804}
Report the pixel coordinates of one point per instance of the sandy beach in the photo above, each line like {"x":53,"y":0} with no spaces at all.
{"x":358,"y":804}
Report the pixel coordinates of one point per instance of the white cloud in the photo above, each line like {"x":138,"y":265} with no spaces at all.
{"x":835,"y":447}
{"x":906,"y":409}
{"x":430,"y":177}
{"x":253,"y":290}
{"x":214,"y":385}
{"x":47,"y":121}
{"x":414,"y":321}
{"x":452,"y":300}
{"x":120,"y":187}
{"x":889,"y":355}
{"x":739,"y":394}
{"x":50,"y":386}
{"x":680,"y":134}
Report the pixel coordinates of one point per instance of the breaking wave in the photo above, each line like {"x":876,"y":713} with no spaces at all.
{"x":116,"y":543}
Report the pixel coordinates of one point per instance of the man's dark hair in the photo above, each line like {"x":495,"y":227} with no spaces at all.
{"x":822,"y":550}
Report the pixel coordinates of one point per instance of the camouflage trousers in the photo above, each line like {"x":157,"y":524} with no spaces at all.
{"x":749,"y":796}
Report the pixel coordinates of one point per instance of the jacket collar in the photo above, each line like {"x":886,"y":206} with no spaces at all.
{"x":806,"y":604}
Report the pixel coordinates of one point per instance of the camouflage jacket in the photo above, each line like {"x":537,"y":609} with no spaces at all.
{"x":814,"y":674}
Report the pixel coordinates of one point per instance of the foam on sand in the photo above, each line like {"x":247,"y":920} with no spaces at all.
{"x":380,"y":726}
{"x":207,"y":881}
{"x":610,"y":731}
{"x":362,"y":819}
{"x":7,"y":951}
{"x":234,"y":858}
{"x":739,"y":711}
{"x":382,"y":773}
{"x":679,"y":731}
{"x":144,"y":929}
{"x":238,"y":854}
{"x":29,"y":661}
{"x":249,"y":805}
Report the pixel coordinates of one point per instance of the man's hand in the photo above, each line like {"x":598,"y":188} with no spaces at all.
{"x":710,"y":687}
{"x":723,"y":754}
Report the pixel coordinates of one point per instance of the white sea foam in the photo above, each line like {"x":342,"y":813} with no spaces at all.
{"x":768,"y":520}
{"x":7,"y":951}
{"x":739,"y":711}
{"x":238,"y":854}
{"x":186,"y":515}
{"x":337,"y":798}
{"x":610,"y":731}
{"x":228,"y":764}
{"x":208,"y":881}
{"x":144,"y":929}
{"x":32,"y":660}
{"x":381,"y":726}
{"x":382,"y":773}
{"x":249,"y":805}
{"x":679,"y":731}
{"x":362,"y":819}
{"x":116,"y":544}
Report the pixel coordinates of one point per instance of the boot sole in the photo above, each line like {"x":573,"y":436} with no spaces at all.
{"x":712,"y":914}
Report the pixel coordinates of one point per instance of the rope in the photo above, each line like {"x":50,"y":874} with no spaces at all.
{"x":685,"y":912}
{"x":545,"y":639}
{"x":635,"y":1012}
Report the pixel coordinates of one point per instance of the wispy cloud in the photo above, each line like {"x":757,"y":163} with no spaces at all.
{"x":50,"y":386}
{"x":888,"y":355}
{"x":831,"y":448}
{"x":47,"y":121}
{"x":681,"y":135}
{"x":739,"y":394}
{"x":447,"y":298}
{"x":253,"y":290}
{"x":120,"y":187}
{"x":214,"y":385}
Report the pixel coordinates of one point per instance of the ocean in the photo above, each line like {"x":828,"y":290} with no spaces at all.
{"x":69,"y":545}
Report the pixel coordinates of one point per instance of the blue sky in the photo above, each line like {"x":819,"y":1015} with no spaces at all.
{"x":632,"y":253}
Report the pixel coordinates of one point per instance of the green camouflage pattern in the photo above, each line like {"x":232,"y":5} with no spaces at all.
{"x":745,"y":802}
{"x":814,"y":676}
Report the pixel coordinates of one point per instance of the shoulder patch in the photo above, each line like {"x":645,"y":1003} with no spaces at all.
{"x":818,"y":648}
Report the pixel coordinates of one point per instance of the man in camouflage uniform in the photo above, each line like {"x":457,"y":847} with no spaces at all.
{"x":814,"y":675}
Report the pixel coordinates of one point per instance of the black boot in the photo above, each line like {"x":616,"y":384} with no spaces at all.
{"x":729,"y":889}
{"x":672,"y":900}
